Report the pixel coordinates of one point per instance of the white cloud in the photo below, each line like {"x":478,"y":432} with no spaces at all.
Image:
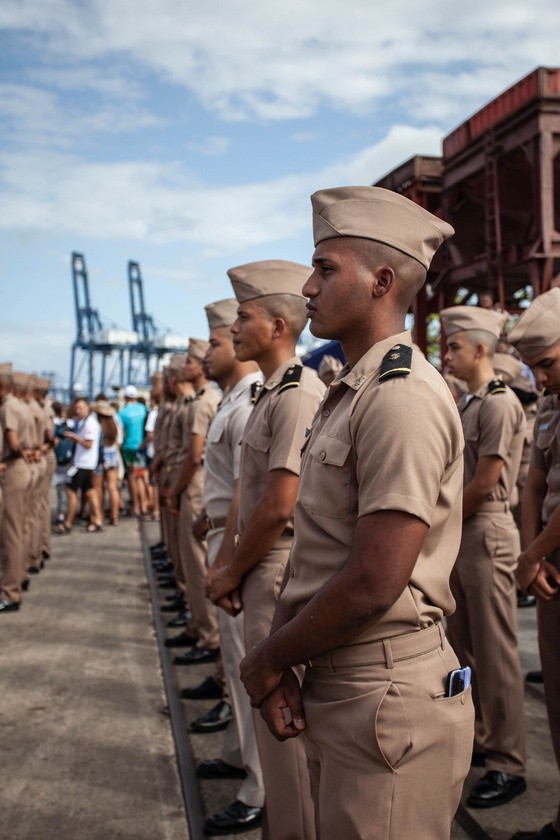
{"x":211,"y":146}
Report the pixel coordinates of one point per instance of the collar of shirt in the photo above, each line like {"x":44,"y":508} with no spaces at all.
{"x":240,"y":387}
{"x":479,"y":394}
{"x":276,"y":377}
{"x":368,"y":366}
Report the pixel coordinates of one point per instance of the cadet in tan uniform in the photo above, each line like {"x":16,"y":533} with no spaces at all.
{"x":42,"y":385}
{"x":483,"y":629}
{"x":536,"y":336}
{"x":18,"y":456}
{"x":239,"y":382}
{"x":185,"y":499}
{"x":377,"y":528}
{"x":36,"y":506}
{"x":271,"y":316}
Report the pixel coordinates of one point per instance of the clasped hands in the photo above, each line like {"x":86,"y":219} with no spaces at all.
{"x":536,"y":576}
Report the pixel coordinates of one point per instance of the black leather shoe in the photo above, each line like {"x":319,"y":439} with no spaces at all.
{"x":215,"y":768}
{"x":209,"y":689}
{"x":163,"y":566}
{"x":157,"y":546}
{"x":526,"y":600}
{"x":33,"y":570}
{"x":174,"y":596}
{"x":534,"y":677}
{"x":180,"y":621}
{"x":496,"y":788}
{"x":25,"y":584}
{"x":167,"y":583}
{"x":213,"y":721}
{"x":547,"y":832}
{"x":197,"y":656}
{"x":178,"y":605}
{"x":234,"y":819}
{"x":8,"y":606}
{"x":181,"y":640}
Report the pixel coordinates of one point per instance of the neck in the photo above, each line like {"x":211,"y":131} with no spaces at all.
{"x":274,"y":357}
{"x":484,"y":372}
{"x":362,"y":340}
{"x":199,"y":382}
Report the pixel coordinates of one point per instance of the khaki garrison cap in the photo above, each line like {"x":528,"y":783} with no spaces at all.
{"x":329,"y":364}
{"x":507,"y":365}
{"x":41,"y":383}
{"x":459,"y":318}
{"x":20,"y":380}
{"x":198,"y":348}
{"x":539,"y":326}
{"x":381,"y":215}
{"x":222,"y":313}
{"x":176,"y":361}
{"x":268,"y":277}
{"x":5,"y":367}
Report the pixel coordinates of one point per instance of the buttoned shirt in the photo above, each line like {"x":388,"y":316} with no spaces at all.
{"x":545,"y":454}
{"x":13,"y":418}
{"x":223,"y":446}
{"x":275,"y":433}
{"x":381,"y":445}
{"x":192,"y":417}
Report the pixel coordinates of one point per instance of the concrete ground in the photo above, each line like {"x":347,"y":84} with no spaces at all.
{"x":85,"y":738}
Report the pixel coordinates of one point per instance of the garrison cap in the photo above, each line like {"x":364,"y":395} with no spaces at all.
{"x":176,"y":361}
{"x":268,"y":277}
{"x":539,"y":326}
{"x":507,"y":365}
{"x":198,"y":348}
{"x":5,"y":367}
{"x":456,"y":319}
{"x":381,"y":215}
{"x":222,"y":313}
{"x":20,"y":379}
{"x":41,"y":383}
{"x":329,"y":364}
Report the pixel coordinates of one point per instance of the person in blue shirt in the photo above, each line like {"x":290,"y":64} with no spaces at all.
{"x":133,"y":418}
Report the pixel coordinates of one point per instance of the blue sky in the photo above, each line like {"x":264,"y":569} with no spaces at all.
{"x":188,"y":137}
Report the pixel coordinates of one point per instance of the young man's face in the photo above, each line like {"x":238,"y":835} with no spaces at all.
{"x":461,"y":358}
{"x":339,"y":290}
{"x":192,"y":368}
{"x":81,"y":409}
{"x":252,"y":332}
{"x":546,"y":369}
{"x":220,"y":356}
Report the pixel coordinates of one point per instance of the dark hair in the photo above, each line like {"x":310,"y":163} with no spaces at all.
{"x":108,"y":429}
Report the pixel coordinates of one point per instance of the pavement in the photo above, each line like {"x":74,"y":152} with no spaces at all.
{"x":86,"y":735}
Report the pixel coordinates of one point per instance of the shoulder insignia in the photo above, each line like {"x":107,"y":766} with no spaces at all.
{"x":255,"y":388}
{"x":397,"y":362}
{"x":291,"y":378}
{"x":497,"y":386}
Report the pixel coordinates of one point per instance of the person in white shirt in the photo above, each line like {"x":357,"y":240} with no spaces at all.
{"x":86,"y":436}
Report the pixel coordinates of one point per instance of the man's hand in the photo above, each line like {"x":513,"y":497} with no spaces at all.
{"x":284,"y":704}
{"x":231,"y":603}
{"x":258,"y":676}
{"x":537,"y":576}
{"x":220,"y":582}
{"x":28,"y":456}
{"x":173,"y":502}
{"x":200,"y":526}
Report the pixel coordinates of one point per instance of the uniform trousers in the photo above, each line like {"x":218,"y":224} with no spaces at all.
{"x":483,"y":632}
{"x":289,"y":812}
{"x":50,"y":461}
{"x":387,"y":752}
{"x":204,"y":617}
{"x":240,"y":742}
{"x":172,"y":521}
{"x":13,"y":559}
{"x":548,"y":620}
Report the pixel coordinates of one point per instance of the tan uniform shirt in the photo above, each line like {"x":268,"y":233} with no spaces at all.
{"x":391,"y":445}
{"x":545,"y":454}
{"x":275,"y":433}
{"x":15,"y":418}
{"x":38,"y":421}
{"x":197,"y":422}
{"x":162,"y":421}
{"x":223,"y":447}
{"x":174,"y":450}
{"x":494,"y":424}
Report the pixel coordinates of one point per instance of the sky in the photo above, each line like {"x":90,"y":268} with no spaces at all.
{"x":188,"y":136}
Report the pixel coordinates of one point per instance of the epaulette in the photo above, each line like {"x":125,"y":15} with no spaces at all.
{"x":198,"y":393}
{"x":497,"y":386}
{"x":291,"y":378}
{"x":255,"y":388}
{"x":397,"y":362}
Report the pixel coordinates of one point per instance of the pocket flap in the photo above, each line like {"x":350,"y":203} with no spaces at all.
{"x":329,"y":450}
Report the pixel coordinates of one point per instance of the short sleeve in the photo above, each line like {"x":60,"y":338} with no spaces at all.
{"x":202,"y":413}
{"x":291,"y":415}
{"x":405,"y":441}
{"x":12,"y":418}
{"x":90,"y":430}
{"x":499,"y":420}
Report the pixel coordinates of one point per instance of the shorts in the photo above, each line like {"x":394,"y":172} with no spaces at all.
{"x":110,"y":460}
{"x":133,"y":460}
{"x":81,"y":480}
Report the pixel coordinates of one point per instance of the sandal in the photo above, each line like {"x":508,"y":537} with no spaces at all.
{"x":62,"y":528}
{"x":93,"y":527}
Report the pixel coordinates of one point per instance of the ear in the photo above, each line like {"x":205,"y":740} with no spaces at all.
{"x":279,"y":328}
{"x":383,"y":280}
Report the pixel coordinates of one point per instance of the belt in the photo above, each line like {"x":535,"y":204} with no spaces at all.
{"x":215,"y":524}
{"x":494,"y":507}
{"x":384,"y":651}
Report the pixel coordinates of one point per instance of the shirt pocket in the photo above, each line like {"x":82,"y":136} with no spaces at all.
{"x":215,"y":432}
{"x":326,"y":482}
{"x":257,"y":440}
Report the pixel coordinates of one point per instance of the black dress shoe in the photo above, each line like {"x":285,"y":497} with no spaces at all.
{"x":8,"y":606}
{"x":534,"y":677}
{"x":180,"y":621}
{"x":167,"y":583}
{"x":157,"y":546}
{"x":181,"y":640}
{"x":234,"y":819}
{"x":45,"y":555}
{"x":215,"y":768}
{"x":34,"y":570}
{"x":209,"y":689}
{"x":496,"y":788}
{"x":163,"y":566}
{"x":196,"y":656}
{"x":547,"y":832}
{"x":174,"y":606}
{"x":526,"y":600}
{"x":213,"y":721}
{"x":174,"y":596}
{"x":25,"y":584}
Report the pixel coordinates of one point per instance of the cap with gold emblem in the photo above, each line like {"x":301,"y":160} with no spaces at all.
{"x":222,"y":313}
{"x":381,"y":215}
{"x":460,"y":318}
{"x":197,"y":347}
{"x":507,"y":366}
{"x":539,"y":326}
{"x":268,"y":277}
